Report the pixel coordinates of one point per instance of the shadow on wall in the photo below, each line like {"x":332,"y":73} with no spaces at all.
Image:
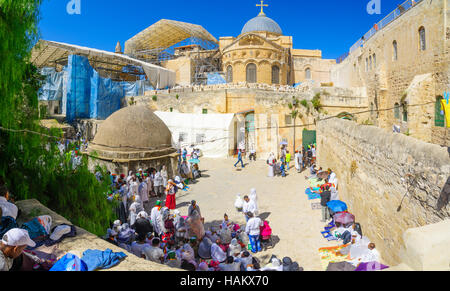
{"x":444,"y":197}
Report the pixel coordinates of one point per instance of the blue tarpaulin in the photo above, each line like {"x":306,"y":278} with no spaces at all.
{"x":215,"y":79}
{"x":53,"y":86}
{"x":84,"y":94}
{"x":78,"y":88}
{"x":105,"y":97}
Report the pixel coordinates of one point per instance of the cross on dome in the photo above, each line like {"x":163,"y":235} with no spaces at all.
{"x":262,"y":5}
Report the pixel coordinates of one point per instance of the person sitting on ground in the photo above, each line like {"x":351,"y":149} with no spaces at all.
{"x":8,"y":208}
{"x":274,"y":265}
{"x":225,"y":222}
{"x":246,"y":259}
{"x":230,"y":265}
{"x":234,"y":248}
{"x":172,"y":260}
{"x":12,"y":245}
{"x":217,"y":253}
{"x":154,"y":252}
{"x":139,"y":245}
{"x":204,"y":248}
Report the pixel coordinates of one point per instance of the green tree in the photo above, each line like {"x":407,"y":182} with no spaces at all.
{"x":295,"y":113}
{"x":31,"y":165}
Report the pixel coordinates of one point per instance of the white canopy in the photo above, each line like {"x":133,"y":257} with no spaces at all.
{"x":213,"y":134}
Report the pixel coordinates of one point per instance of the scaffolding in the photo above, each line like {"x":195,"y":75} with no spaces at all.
{"x":168,"y":39}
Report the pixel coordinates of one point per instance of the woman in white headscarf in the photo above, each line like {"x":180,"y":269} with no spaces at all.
{"x":271,"y":163}
{"x":254,"y":198}
{"x":133,"y":214}
{"x":142,"y":215}
{"x":234,"y":248}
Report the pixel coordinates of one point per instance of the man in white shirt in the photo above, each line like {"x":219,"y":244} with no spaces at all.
{"x":248,"y":207}
{"x":8,"y":208}
{"x":253,"y":231}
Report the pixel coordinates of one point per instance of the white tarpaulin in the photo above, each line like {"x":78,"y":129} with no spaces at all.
{"x":213,"y":134}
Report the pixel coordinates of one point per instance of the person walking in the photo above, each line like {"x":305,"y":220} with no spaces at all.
{"x":288,"y":160}
{"x":240,"y":159}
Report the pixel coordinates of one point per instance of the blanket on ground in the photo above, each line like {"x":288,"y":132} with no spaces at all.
{"x":332,"y":255}
{"x":96,"y":259}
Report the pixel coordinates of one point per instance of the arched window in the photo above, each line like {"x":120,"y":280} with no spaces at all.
{"x":374,"y":61}
{"x":423,"y":43}
{"x":275,"y":75}
{"x":229,"y":74}
{"x":370,"y":62}
{"x":397,"y":111}
{"x":439,"y":119}
{"x":308,"y":74}
{"x":394,"y":47}
{"x":251,"y":73}
{"x":367,"y":64}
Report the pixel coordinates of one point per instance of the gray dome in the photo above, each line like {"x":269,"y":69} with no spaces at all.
{"x":262,"y":23}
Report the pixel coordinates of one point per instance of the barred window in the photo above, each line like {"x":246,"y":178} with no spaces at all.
{"x":251,"y":73}
{"x":275,"y":75}
{"x":423,"y":43}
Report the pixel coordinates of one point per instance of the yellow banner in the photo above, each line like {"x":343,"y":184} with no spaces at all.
{"x":446,"y":108}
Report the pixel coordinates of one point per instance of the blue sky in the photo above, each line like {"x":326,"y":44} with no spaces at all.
{"x":331,"y":26}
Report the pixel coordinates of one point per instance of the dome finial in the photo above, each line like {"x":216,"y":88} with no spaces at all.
{"x":262,"y":5}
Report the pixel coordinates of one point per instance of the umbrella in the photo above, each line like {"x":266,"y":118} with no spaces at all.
{"x":323,"y":175}
{"x":337,"y":206}
{"x":194,"y":161}
{"x":344,"y":217}
{"x":284,"y":143}
{"x":341,"y":266}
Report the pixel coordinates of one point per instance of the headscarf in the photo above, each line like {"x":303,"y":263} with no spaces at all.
{"x":203,"y":266}
{"x":253,"y":196}
{"x":143,"y":215}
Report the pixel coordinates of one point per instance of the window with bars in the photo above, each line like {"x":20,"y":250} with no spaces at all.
{"x":182,"y":137}
{"x":200,"y":138}
{"x":275,"y":75}
{"x":423,"y":43}
{"x":229,"y":74}
{"x":395,"y":52}
{"x":251,"y":73}
{"x":308,"y":74}
{"x":397,"y":111}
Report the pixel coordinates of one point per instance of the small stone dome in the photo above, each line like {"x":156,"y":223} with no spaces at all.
{"x":132,"y":129}
{"x":262,"y":23}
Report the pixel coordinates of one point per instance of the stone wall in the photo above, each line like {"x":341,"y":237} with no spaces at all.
{"x":373,"y":166}
{"x":415,"y":76}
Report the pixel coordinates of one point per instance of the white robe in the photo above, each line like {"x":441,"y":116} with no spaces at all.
{"x":156,"y":217}
{"x":217,"y":253}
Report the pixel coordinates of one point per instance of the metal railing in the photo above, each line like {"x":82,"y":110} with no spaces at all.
{"x":399,"y":11}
